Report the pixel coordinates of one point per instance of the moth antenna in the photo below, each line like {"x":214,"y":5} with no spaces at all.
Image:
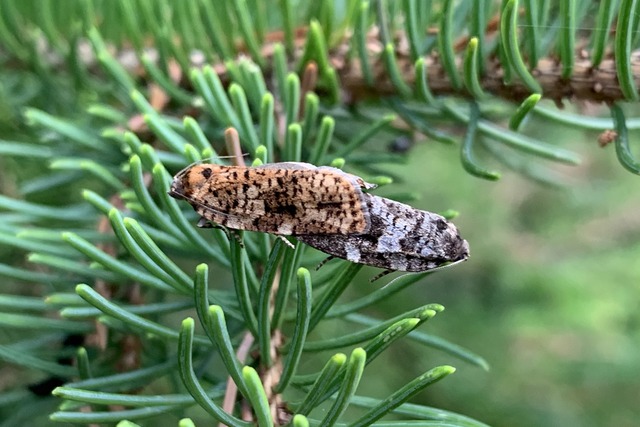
{"x":381,"y":275}
{"x":428,"y":272}
{"x":324,"y":261}
{"x":211,"y":159}
{"x":286,"y":242}
{"x":184,"y":169}
{"x":228,"y":156}
{"x":203,"y":223}
{"x":234,"y":234}
{"x":394,"y":279}
{"x":446,"y":265}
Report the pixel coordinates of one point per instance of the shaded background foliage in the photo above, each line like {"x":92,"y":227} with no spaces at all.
{"x":549,"y":297}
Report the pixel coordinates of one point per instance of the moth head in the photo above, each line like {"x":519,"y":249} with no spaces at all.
{"x":458,"y":247}
{"x":190,"y":179}
{"x":453,"y":245}
{"x":463,"y":250}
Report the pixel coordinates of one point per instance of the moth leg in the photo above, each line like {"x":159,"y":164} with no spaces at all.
{"x":204,"y":223}
{"x":381,"y":275}
{"x":233,"y":234}
{"x":286,"y":242}
{"x":324,"y":261}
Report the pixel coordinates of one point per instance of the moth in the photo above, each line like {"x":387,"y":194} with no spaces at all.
{"x":288,"y":198}
{"x":400,"y":237}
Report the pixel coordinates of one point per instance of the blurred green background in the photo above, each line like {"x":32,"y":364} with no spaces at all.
{"x":550,"y":296}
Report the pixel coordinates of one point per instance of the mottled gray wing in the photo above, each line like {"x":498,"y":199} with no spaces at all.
{"x":399,"y":238}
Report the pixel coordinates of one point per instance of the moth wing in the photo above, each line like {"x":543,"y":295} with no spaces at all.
{"x":308,"y":166}
{"x":340,"y":206}
{"x":354,"y":179}
{"x":273,"y":199}
{"x":231,"y":221}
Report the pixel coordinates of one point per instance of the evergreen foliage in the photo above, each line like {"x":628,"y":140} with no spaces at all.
{"x":103,"y":101}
